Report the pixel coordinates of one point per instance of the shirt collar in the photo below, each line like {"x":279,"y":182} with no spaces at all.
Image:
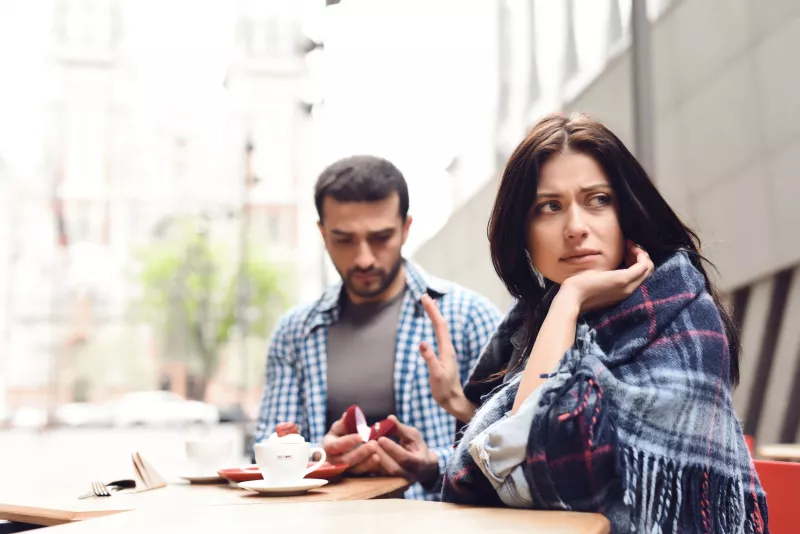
{"x":328,"y":306}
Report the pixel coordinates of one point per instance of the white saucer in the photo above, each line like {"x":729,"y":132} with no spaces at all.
{"x":202,"y":478}
{"x":293,"y":488}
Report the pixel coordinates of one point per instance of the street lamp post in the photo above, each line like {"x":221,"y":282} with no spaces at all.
{"x":243,"y":289}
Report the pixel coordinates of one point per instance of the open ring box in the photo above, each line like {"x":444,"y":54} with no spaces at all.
{"x":356,"y":423}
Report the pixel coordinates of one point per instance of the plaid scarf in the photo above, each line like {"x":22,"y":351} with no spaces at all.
{"x":637,"y":423}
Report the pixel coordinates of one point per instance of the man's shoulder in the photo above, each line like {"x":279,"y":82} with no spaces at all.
{"x":462,"y":296}
{"x":455,"y":296}
{"x":293,"y":322}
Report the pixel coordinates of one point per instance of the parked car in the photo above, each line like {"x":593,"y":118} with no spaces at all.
{"x":83,"y":414}
{"x":28,"y":418}
{"x":161,"y":408}
{"x":232,"y":413}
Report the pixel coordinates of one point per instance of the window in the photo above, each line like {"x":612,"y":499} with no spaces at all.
{"x":87,"y":22}
{"x":271,"y":34}
{"x":267,"y":30}
{"x":504,"y":60}
{"x":273,"y":225}
{"x":570,"y":52}
{"x":275,"y":232}
{"x":533,"y":74}
{"x":85,"y":220}
{"x":244,"y":34}
{"x":180,"y":159}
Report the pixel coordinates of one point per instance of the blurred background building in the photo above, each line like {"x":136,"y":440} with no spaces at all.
{"x":133,"y":130}
{"x":122,"y":121}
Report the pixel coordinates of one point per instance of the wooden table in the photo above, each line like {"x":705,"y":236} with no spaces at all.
{"x":53,"y":506}
{"x":386,"y":516}
{"x":789,"y":452}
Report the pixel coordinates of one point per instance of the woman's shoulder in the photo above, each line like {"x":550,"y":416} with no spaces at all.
{"x":684,"y":287}
{"x":674,"y":296}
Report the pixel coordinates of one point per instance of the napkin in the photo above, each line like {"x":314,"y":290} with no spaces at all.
{"x":147,"y":477}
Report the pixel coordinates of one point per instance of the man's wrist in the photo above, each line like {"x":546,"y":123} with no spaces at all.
{"x":430,"y":472}
{"x":462,"y":409}
{"x":452,"y":398}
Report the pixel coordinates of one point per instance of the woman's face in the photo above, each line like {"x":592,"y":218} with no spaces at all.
{"x":574,"y":225}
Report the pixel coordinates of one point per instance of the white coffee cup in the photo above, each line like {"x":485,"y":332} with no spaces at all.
{"x":207,"y":454}
{"x":286,"y":463}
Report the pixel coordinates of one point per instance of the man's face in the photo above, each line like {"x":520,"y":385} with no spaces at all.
{"x":364,"y":240}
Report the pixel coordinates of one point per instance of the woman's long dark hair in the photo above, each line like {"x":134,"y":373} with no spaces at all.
{"x":644,"y":215}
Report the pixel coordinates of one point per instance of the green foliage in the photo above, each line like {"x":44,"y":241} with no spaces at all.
{"x":190,"y":293}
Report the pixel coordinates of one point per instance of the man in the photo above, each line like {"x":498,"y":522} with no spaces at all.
{"x":358,"y":343}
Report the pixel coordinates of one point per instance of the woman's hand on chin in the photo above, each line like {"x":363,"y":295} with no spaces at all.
{"x":593,"y":290}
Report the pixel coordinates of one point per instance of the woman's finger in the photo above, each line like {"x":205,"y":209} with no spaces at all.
{"x":645,"y":269}
{"x":632,"y":273}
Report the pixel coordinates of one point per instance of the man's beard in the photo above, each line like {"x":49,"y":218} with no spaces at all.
{"x":385,"y":279}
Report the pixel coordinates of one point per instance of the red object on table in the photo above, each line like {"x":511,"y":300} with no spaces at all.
{"x":284,"y":429}
{"x":251,"y":472}
{"x":356,"y":423}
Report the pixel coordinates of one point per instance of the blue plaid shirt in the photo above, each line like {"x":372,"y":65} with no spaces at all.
{"x":296,"y":387}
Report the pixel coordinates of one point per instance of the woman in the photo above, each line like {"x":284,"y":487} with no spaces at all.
{"x":607,"y":388}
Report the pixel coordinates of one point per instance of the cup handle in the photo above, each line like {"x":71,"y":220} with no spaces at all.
{"x":317,"y":465}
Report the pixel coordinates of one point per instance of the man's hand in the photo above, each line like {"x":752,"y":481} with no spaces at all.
{"x":412,"y":457}
{"x":342,"y":448}
{"x":443,"y":368}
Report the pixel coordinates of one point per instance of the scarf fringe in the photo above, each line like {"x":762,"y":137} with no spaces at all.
{"x":664,"y":495}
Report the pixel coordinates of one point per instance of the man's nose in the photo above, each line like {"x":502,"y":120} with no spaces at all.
{"x":365,"y":258}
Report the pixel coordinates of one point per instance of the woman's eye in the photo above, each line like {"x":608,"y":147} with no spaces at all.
{"x":547,"y":207}
{"x":600,"y":200}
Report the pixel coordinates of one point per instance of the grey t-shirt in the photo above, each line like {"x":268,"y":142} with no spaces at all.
{"x":360,"y":353}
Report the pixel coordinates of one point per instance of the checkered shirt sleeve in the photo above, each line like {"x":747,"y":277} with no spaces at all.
{"x":280,"y":400}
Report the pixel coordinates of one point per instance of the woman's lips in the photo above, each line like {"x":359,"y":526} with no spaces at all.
{"x":579,"y":259}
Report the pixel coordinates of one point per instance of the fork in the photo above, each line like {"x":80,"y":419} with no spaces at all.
{"x":99,"y":489}
{"x":125,"y":483}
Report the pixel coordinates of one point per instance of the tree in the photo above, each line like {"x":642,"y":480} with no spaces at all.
{"x":190,"y":292}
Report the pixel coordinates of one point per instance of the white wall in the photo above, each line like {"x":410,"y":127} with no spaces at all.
{"x":727,"y":137}
{"x":5,"y":265}
{"x":727,"y":127}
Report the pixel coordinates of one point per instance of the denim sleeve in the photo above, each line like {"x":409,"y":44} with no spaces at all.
{"x":500,"y":450}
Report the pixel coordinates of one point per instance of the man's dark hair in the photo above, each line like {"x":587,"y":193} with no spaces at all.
{"x":361,"y":179}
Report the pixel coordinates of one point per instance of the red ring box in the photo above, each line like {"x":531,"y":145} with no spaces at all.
{"x":356,"y":423}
